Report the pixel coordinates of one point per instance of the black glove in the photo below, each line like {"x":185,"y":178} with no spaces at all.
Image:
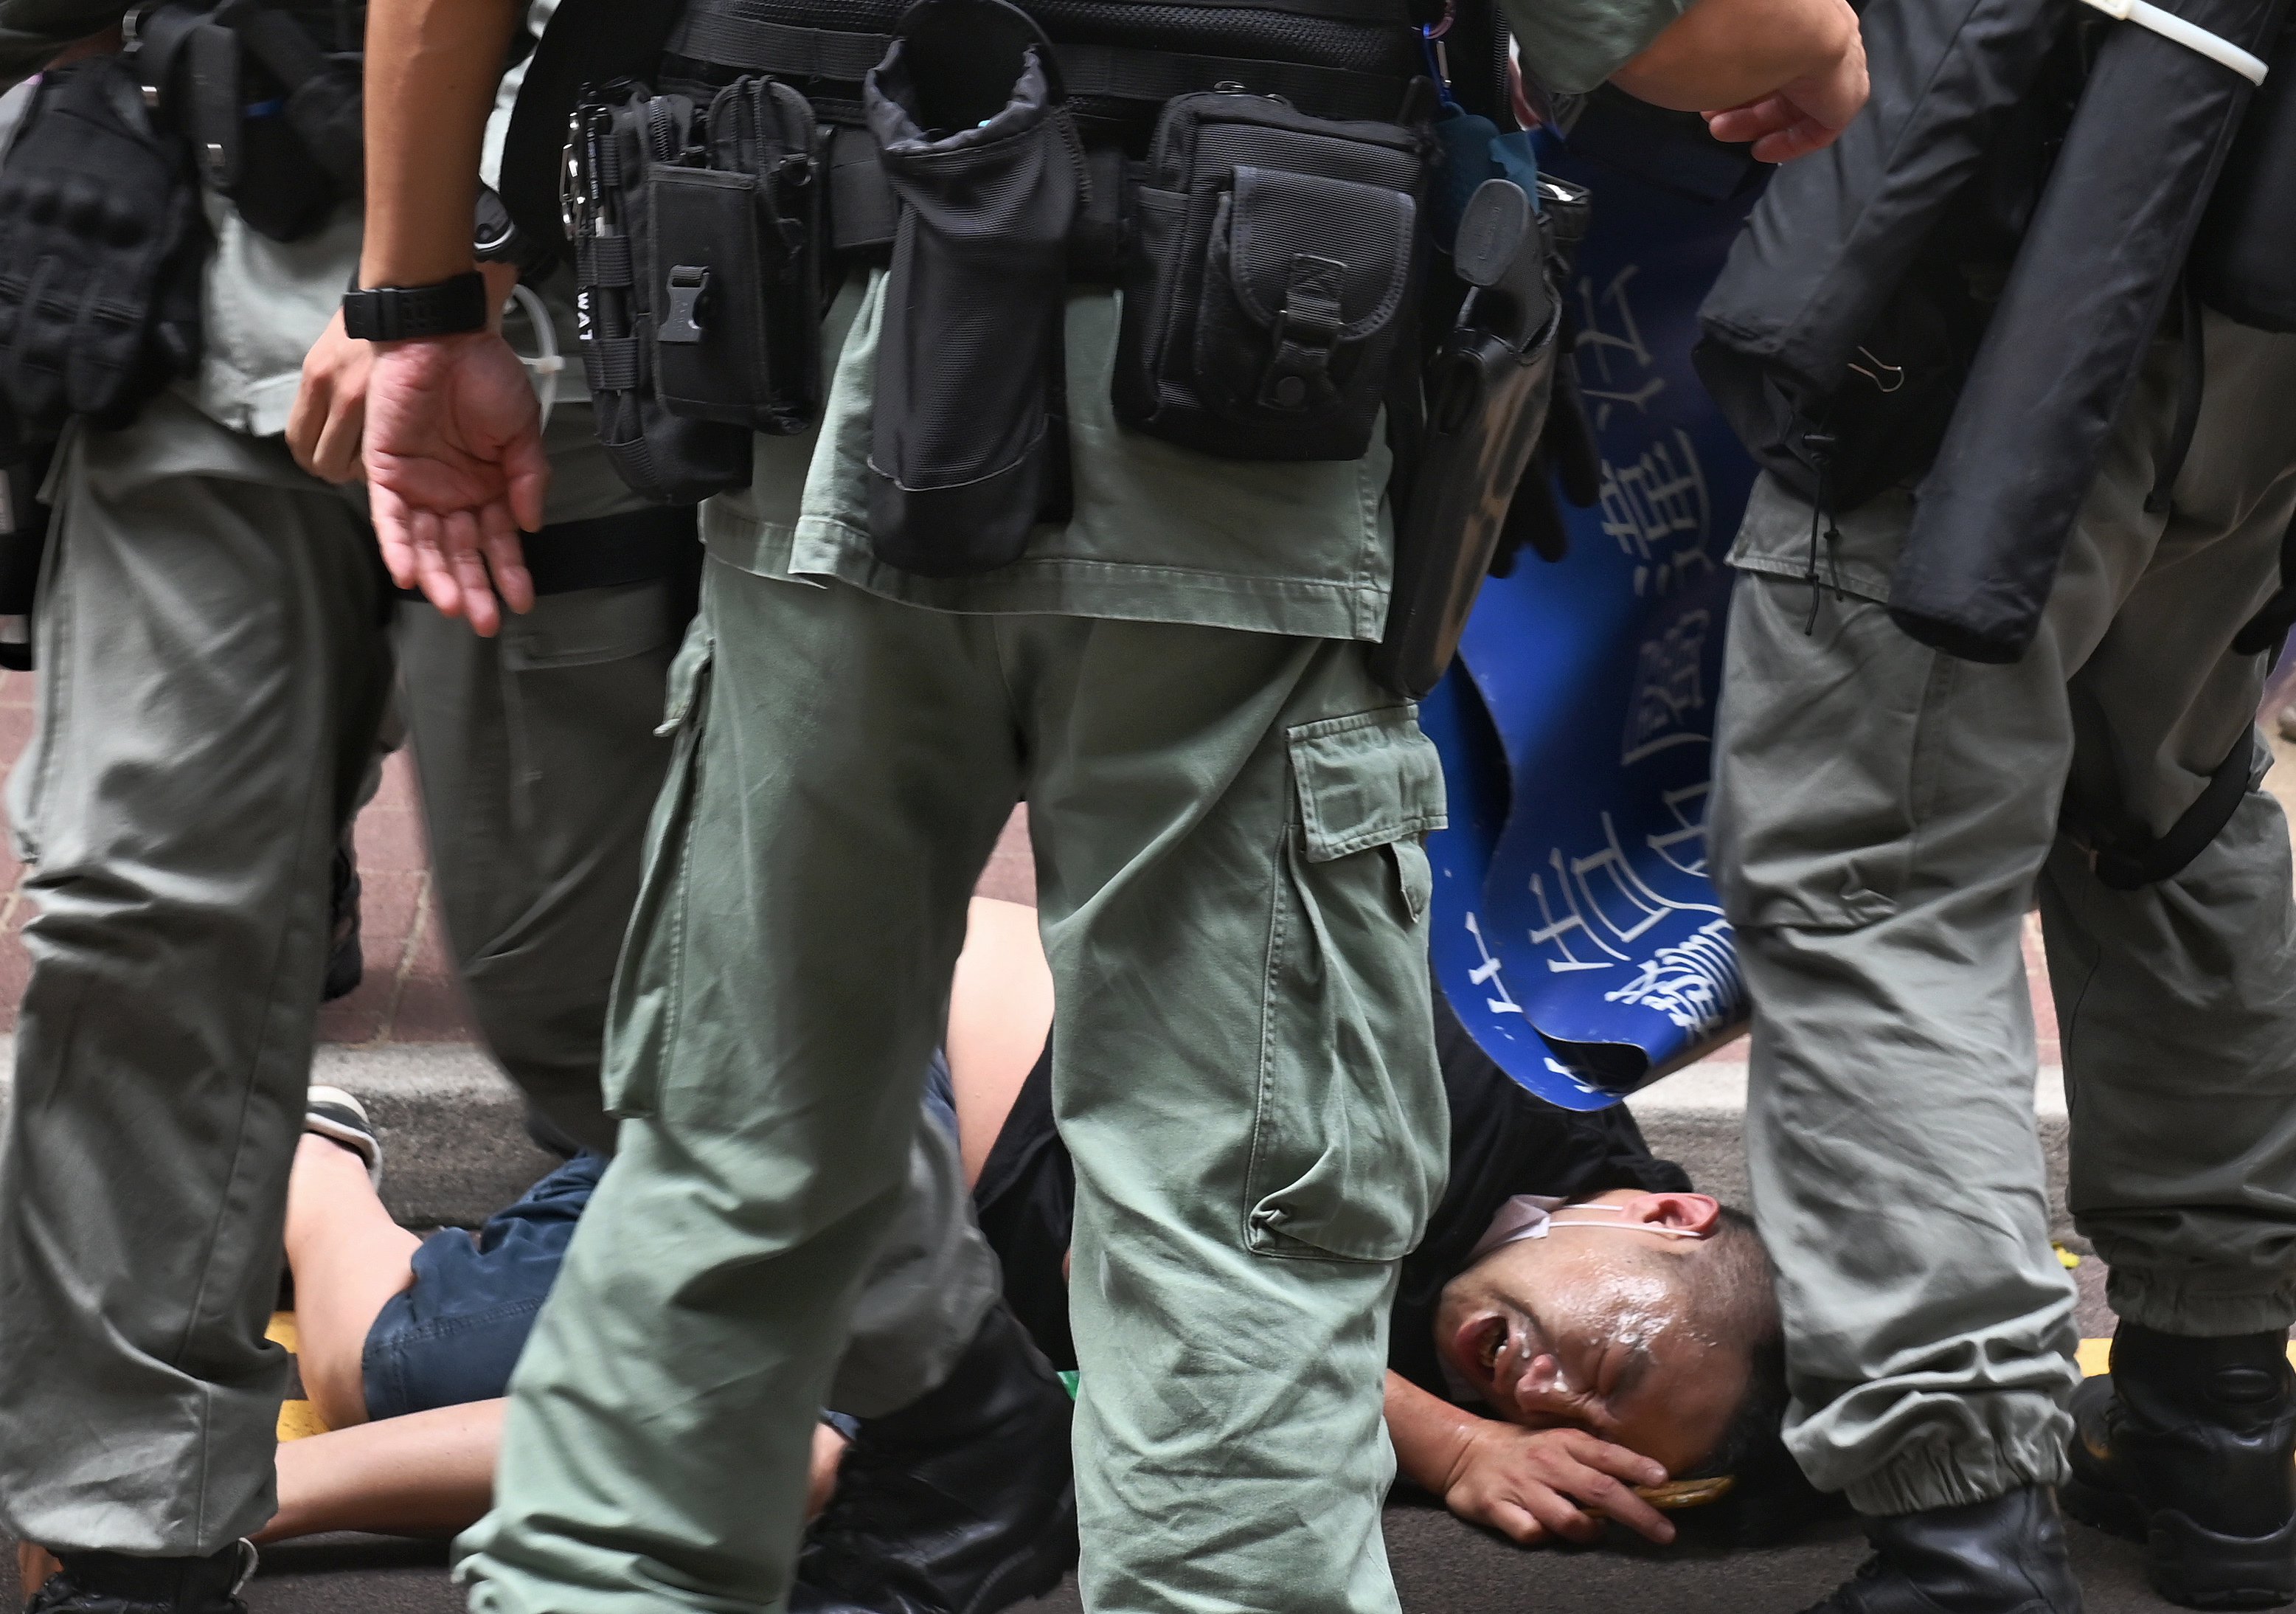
{"x":101,"y":245}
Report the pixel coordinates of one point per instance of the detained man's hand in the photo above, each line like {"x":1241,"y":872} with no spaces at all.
{"x":323,"y":428}
{"x":1534,"y":1484}
{"x":454,"y":470}
{"x":1807,"y":115}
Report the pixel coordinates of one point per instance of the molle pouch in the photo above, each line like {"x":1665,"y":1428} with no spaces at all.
{"x":271,"y":114}
{"x":620,"y":135}
{"x":735,"y":272}
{"x":1270,"y":279}
{"x":969,"y":442}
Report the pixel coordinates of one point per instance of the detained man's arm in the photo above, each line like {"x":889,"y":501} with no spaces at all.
{"x":453,"y":440}
{"x":1791,"y":73}
{"x":429,"y":1473}
{"x":1526,"y":1484}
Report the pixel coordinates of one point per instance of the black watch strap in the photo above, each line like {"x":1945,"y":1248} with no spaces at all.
{"x":391,"y":313}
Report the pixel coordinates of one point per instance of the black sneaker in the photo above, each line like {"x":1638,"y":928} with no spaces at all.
{"x":961,"y":1503}
{"x":338,"y":1117}
{"x":346,"y":960}
{"x":2005,"y":1556}
{"x":2189,"y":1445}
{"x":107,"y":1583}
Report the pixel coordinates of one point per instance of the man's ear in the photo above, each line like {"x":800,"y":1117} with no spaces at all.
{"x":1695,"y":1213}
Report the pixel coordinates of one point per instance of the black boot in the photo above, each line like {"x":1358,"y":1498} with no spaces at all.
{"x":106,"y":1583}
{"x":2005,"y":1556}
{"x":2189,"y":1445}
{"x":960,"y":1502}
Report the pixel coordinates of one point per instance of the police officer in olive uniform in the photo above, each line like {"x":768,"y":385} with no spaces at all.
{"x":1227,"y":811}
{"x":216,"y":647}
{"x":1885,"y":817}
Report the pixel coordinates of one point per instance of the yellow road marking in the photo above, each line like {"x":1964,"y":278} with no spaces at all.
{"x":2095,"y":1357}
{"x":297,"y":1418}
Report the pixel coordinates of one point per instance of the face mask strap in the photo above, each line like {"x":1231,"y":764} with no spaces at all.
{"x":1671,"y":1233}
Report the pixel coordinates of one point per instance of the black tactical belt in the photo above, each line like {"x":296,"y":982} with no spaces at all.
{"x":608,"y":552}
{"x":1089,"y":71}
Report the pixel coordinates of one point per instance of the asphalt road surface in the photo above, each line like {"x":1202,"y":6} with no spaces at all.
{"x":1441,"y":1566}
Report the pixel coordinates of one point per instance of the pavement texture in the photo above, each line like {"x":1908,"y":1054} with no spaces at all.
{"x":1441,"y":1567}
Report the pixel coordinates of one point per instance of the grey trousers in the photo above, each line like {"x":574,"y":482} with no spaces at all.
{"x":1885,"y":816}
{"x":214,"y":655}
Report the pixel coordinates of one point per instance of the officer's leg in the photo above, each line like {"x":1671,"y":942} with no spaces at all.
{"x":538,"y":765}
{"x":842,"y":768}
{"x":2177,"y":1006}
{"x":1880,"y":811}
{"x":211,"y":668}
{"x":1227,"y":836}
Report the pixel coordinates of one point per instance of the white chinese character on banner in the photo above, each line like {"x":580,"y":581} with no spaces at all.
{"x":1669,"y":693}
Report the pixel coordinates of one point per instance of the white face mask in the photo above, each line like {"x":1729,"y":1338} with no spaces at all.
{"x":1531,"y":1215}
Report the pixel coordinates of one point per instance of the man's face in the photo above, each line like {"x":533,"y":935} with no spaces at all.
{"x":1591,"y":1328}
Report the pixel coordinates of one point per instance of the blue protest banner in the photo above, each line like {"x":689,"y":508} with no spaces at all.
{"x":1576,"y":931}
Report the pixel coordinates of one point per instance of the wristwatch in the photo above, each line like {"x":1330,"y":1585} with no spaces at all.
{"x":496,"y":239}
{"x":391,"y":313}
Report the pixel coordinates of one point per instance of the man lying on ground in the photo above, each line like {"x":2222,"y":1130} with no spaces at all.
{"x":1575,"y":1322}
{"x":1575,"y":1325}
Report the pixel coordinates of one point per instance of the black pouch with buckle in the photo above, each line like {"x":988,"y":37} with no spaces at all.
{"x":969,"y":440}
{"x":620,"y":132}
{"x":733,"y":257}
{"x":1269,"y":279}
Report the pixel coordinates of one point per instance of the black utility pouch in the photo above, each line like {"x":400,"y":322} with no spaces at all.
{"x":619,"y":132}
{"x":268,"y":94}
{"x":1269,"y":278}
{"x":969,"y":442}
{"x":735,"y":265}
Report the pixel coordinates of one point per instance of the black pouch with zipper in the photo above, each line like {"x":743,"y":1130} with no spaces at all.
{"x":1270,"y":279}
{"x":733,"y":259}
{"x":619,"y":132}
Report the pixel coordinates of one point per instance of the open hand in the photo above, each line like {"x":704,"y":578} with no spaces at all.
{"x":454,"y":470}
{"x":1533,"y":1484}
{"x":1807,"y":115}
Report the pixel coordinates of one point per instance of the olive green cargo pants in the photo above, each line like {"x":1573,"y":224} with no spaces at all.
{"x":1884,"y":817}
{"x":214,"y":655}
{"x":1232,"y":892}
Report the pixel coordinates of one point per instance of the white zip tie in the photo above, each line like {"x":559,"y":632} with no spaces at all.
{"x":2193,"y":37}
{"x":543,"y":369}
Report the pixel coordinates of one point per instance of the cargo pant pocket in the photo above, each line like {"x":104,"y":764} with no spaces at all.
{"x":1350,"y":1135}
{"x":642,"y":1021}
